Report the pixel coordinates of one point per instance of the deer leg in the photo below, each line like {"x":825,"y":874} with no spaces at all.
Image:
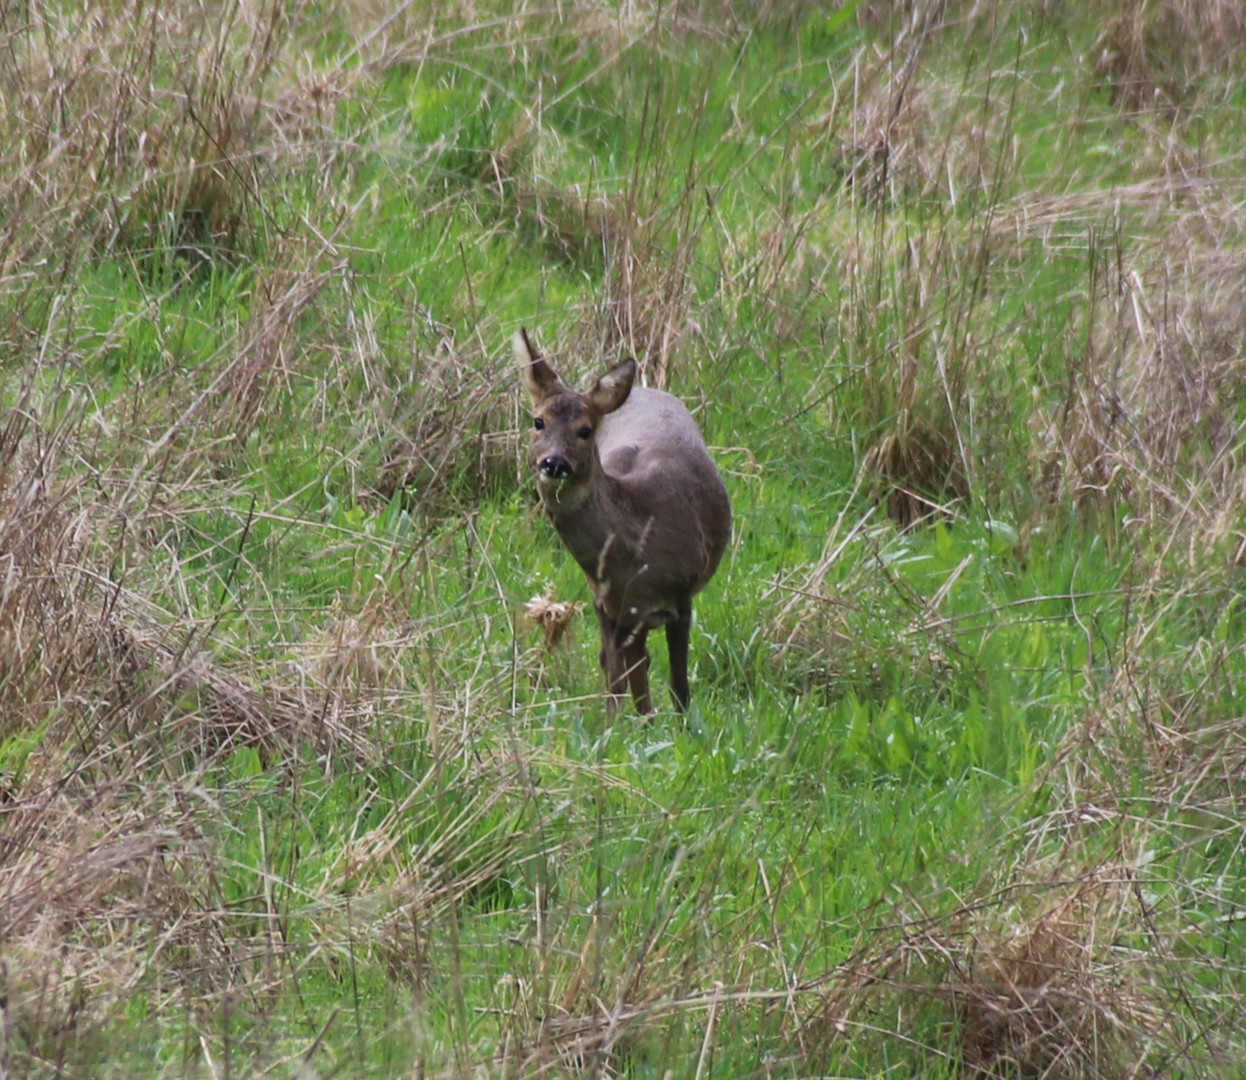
{"x":624,"y":657}
{"x":611,"y":659}
{"x":677,"y":633}
{"x":636,"y":664}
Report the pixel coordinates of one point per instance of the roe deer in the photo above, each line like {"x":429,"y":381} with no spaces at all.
{"x":625,"y":477}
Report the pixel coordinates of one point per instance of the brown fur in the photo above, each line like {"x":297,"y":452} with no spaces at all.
{"x":627,"y":482}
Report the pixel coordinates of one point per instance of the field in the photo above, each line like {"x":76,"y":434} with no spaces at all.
{"x":294,"y":779}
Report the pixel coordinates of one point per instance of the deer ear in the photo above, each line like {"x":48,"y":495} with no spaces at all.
{"x":539,"y":377}
{"x":611,"y":390}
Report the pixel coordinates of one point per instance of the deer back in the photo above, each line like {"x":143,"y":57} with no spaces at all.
{"x":671,"y":512}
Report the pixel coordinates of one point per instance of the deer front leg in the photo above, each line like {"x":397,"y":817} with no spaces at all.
{"x":678,"y":631}
{"x":636,"y":664}
{"x":611,"y":659}
{"x":625,"y":660}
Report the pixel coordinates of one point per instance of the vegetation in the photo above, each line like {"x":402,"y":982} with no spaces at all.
{"x":291,"y":785}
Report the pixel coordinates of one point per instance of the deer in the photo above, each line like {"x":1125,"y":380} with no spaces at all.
{"x":624,"y":476}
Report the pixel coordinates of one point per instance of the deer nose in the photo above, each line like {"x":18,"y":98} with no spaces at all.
{"x":555,"y":467}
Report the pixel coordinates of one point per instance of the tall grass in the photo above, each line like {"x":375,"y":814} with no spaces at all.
{"x":289,"y":782}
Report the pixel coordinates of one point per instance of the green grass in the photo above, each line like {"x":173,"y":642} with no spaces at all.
{"x":288,"y":784}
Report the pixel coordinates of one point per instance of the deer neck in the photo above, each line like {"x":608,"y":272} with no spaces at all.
{"x":590,"y":521}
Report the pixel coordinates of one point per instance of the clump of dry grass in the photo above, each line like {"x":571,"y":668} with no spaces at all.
{"x":898,"y":18}
{"x":644,"y":242}
{"x":88,"y":885}
{"x":903,"y":135}
{"x":80,"y":840}
{"x":853,"y":633}
{"x":77,"y":651}
{"x":136,"y":130}
{"x":575,"y":222}
{"x":1151,"y":402}
{"x":1073,"y":962}
{"x":577,"y":226}
{"x":1030,"y":982}
{"x":1159,"y":55}
{"x":921,"y":394}
{"x":49,"y":596}
{"x":885,"y":149}
{"x":457,"y":437}
{"x":556,"y":621}
{"x":111,"y":716}
{"x":917,"y":471}
{"x":1045,"y":992}
{"x":1152,"y":772}
{"x":553,"y":617}
{"x":265,"y":357}
{"x":1107,"y":948}
{"x":649,"y":289}
{"x":914,"y":309}
{"x":1149,"y":397}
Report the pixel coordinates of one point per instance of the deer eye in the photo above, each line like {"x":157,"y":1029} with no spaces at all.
{"x":584,"y":433}
{"x":538,"y":423}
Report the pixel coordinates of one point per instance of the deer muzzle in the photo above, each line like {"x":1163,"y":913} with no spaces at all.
{"x":554,"y":467}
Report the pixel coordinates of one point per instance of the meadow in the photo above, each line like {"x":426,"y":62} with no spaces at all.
{"x":299,"y":776}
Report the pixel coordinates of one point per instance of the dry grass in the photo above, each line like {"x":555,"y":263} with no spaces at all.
{"x":113,"y":716}
{"x":917,"y":471}
{"x":645,"y":247}
{"x":1030,"y":981}
{"x":925,"y":163}
{"x":117,"y":705}
{"x":1160,"y":56}
{"x":1150,"y":403}
{"x":921,"y":397}
{"x":132,"y":134}
{"x":1047,"y":990}
{"x":1145,"y":403}
{"x":126,"y":714}
{"x":553,"y":617}
{"x":1073,"y":961}
{"x":457,"y":439}
{"x":87,"y":848}
{"x":1070,"y":962}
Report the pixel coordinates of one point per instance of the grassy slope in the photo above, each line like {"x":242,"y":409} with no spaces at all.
{"x":286,"y":776}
